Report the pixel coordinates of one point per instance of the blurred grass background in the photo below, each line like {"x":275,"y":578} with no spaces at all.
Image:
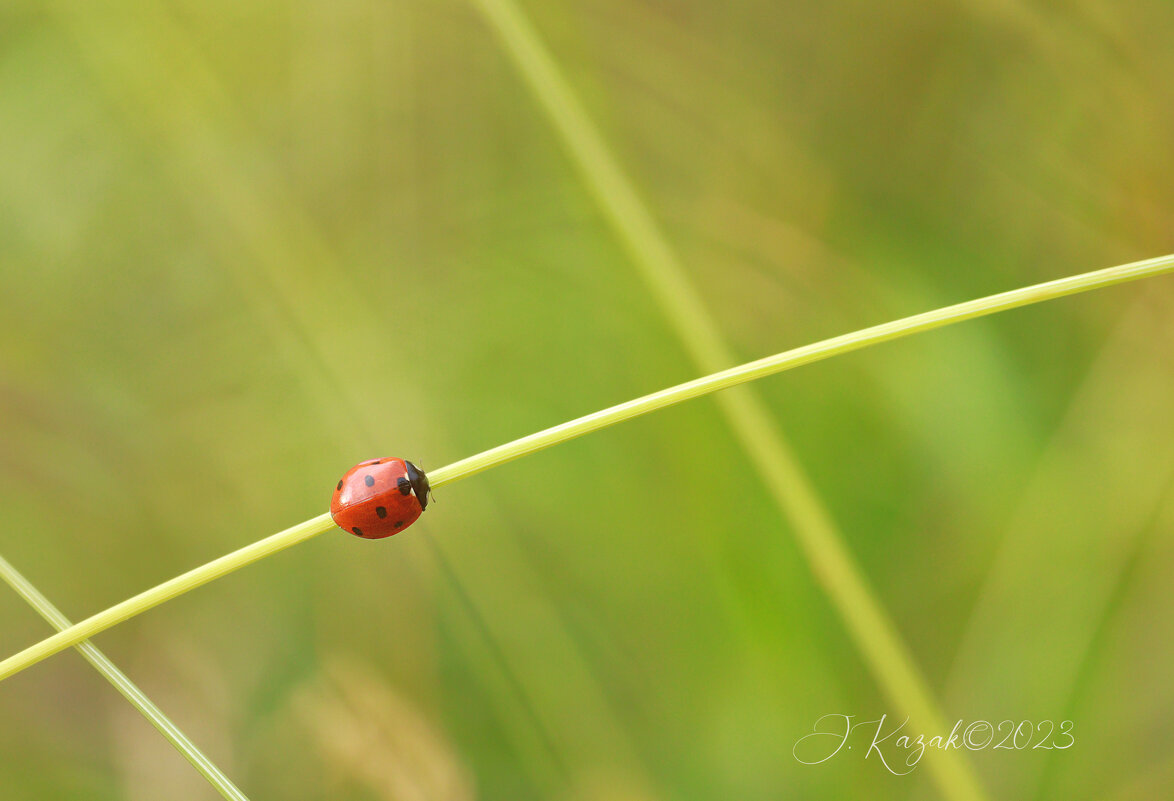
{"x":244,"y":247}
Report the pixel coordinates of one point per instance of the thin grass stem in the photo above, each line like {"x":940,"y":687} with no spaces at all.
{"x":493,"y":457}
{"x":124,"y":685}
{"x":797,"y":357}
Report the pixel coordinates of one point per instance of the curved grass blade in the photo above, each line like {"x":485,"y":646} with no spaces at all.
{"x":724,"y":379}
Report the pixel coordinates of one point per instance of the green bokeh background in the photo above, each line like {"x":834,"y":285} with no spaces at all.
{"x":244,"y":246}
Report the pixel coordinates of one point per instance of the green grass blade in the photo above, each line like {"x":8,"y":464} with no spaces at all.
{"x":823,"y":561}
{"x":124,"y":685}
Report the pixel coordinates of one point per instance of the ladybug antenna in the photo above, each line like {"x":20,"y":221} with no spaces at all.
{"x":419,"y":483}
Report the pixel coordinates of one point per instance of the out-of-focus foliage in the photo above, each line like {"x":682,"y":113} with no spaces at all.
{"x":243,"y":246}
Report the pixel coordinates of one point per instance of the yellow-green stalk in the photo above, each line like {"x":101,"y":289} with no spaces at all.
{"x":724,"y":379}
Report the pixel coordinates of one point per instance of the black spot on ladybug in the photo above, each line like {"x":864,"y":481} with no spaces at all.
{"x":339,"y":484}
{"x":369,"y":481}
{"x":358,"y":531}
{"x":404,"y":486}
{"x":381,"y":511}
{"x":399,"y":523}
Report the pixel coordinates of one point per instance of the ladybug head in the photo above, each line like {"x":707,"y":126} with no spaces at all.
{"x":419,"y":483}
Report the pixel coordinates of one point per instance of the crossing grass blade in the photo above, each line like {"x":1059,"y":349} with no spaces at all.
{"x":127,"y":688}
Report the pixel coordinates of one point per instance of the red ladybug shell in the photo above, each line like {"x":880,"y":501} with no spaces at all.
{"x":379,"y":497}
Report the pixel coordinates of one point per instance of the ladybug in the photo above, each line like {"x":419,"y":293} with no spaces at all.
{"x":379,"y":497}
